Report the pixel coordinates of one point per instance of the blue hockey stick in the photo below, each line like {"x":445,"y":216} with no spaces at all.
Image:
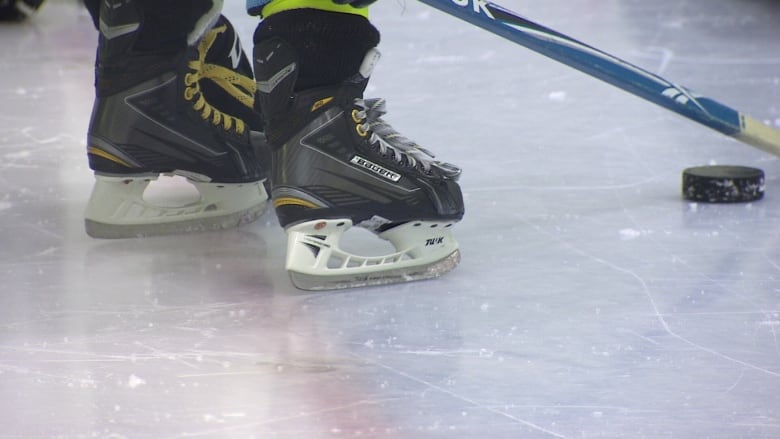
{"x":615,"y":71}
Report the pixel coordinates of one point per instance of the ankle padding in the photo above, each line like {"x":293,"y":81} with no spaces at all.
{"x":329,"y":46}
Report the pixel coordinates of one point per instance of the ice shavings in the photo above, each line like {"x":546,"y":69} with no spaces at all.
{"x":135,"y":382}
{"x":18,"y":155}
{"x":557,"y":96}
{"x":629,"y":234}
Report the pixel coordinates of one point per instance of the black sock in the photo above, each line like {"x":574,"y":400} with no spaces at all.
{"x":330,"y":46}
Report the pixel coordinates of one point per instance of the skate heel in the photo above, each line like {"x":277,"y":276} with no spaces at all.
{"x":315,"y":260}
{"x":117,"y":208}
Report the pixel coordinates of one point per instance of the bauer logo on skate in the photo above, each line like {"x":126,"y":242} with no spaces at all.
{"x":376,"y":169}
{"x":478,"y":5}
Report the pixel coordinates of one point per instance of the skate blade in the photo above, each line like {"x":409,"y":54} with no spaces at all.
{"x":339,"y":281}
{"x":118,"y":210}
{"x":315,"y":260}
{"x":96,"y":229}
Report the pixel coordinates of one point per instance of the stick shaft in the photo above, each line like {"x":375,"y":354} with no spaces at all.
{"x":613,"y":70}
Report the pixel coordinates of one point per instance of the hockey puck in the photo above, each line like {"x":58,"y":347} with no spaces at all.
{"x":723,"y":184}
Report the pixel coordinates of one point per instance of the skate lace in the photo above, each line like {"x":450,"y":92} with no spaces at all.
{"x":390,"y":143}
{"x":238,"y":86}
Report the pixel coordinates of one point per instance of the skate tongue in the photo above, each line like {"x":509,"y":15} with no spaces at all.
{"x":360,"y":79}
{"x":369,"y":62}
{"x":205,"y":22}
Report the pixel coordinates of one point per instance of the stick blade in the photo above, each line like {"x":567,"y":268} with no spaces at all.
{"x":759,"y":135}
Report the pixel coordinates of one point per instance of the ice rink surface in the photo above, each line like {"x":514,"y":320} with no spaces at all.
{"x":591,"y":301}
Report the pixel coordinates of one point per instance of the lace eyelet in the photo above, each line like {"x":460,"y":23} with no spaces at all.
{"x":361,"y":132}
{"x":356,"y":116}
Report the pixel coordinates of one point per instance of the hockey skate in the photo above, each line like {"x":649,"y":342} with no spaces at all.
{"x":187,"y":112}
{"x":338,"y":164}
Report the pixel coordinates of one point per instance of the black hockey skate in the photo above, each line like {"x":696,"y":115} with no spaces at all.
{"x":189,"y":113}
{"x":337,"y":163}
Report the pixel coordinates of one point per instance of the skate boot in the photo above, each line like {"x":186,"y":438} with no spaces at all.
{"x":169,"y":106}
{"x":336,"y":164}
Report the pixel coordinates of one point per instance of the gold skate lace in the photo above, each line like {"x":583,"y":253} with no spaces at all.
{"x":238,"y":86}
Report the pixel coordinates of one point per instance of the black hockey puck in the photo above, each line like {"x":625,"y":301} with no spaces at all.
{"x":723,"y":184}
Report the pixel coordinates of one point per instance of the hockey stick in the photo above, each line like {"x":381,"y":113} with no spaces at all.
{"x":615,"y":71}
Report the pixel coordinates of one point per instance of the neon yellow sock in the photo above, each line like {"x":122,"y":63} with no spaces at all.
{"x":323,"y":5}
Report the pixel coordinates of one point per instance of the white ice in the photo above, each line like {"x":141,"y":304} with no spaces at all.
{"x":592,"y":301}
